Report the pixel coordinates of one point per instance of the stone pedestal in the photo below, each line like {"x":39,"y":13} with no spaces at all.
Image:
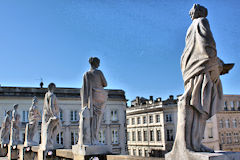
{"x":46,"y":155}
{"x":3,"y":150}
{"x":86,"y":151}
{"x":12,"y":152}
{"x":203,"y":156}
{"x":25,"y":153}
{"x":64,"y":153}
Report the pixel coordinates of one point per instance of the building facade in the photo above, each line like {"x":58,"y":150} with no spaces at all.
{"x":151,"y":126}
{"x":113,"y":129}
{"x":222,"y":131}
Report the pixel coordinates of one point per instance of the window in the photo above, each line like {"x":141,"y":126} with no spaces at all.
{"x":129,"y":151}
{"x":150,"y":119}
{"x":133,"y":136}
{"x":133,"y":121}
{"x":24,"y":116}
{"x":210,"y":133}
{"x":157,"y":118}
{"x":221,"y":123}
{"x":168,"y":117}
{"x":114,"y":115}
{"x":74,"y":115}
{"x":115,"y":136}
{"x":236,"y":138}
{"x":234,"y":123}
{"x":222,"y":138}
{"x":138,"y":120}
{"x":151,"y":135}
{"x":139,"y":152}
{"x":40,"y":137}
{"x":61,"y":115}
{"x":60,"y":138}
{"x":158,"y":135}
{"x":74,"y":137}
{"x":145,"y":136}
{"x":144,"y":120}
{"x":238,"y":105}
{"x":128,"y":136}
{"x":101,"y":137}
{"x":229,"y":138}
{"x":23,"y":137}
{"x":146,"y":153}
{"x":139,"y":135}
{"x":227,"y":124}
{"x":225,"y":105}
{"x":232,"y":105}
{"x":134,"y":152}
{"x":127,"y":121}
{"x":169,"y":135}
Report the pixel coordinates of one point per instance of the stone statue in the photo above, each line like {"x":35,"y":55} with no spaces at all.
{"x":203,"y":95}
{"x":93,"y":98}
{"x":15,"y":127}
{"x":5,"y":129}
{"x":32,"y":127}
{"x":51,"y":124}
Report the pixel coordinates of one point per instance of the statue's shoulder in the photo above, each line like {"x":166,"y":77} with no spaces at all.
{"x":98,"y":71}
{"x":203,"y":20}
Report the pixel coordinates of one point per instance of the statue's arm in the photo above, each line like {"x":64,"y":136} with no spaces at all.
{"x":104,"y":82}
{"x":207,"y":38}
{"x":51,"y":104}
{"x":84,"y":91}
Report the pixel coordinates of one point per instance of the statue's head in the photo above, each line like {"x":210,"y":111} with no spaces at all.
{"x":15,"y":106}
{"x":198,"y":11}
{"x":9,"y":112}
{"x":94,"y":62}
{"x":51,"y":87}
{"x":34,"y":100}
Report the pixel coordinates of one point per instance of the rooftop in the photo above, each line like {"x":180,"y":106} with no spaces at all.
{"x":60,"y":92}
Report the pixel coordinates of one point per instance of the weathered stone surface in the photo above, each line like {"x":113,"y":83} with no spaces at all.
{"x":5,"y":129}
{"x":3,"y":150}
{"x":207,"y":156}
{"x":64,"y":153}
{"x":91,"y":149}
{"x":51,"y":124}
{"x":93,"y":97}
{"x":203,"y":96}
{"x":127,"y":157}
{"x":31,"y":128}
{"x":15,"y":127}
{"x":12,"y":152}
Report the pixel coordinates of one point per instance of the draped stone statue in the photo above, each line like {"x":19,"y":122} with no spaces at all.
{"x":51,"y":124}
{"x":203,"y":95}
{"x":93,"y":98}
{"x":15,"y":127}
{"x":32,"y":127}
{"x":5,"y":129}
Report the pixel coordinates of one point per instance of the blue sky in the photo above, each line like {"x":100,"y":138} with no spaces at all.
{"x":139,"y":42}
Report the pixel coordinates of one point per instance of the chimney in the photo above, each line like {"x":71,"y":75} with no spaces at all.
{"x":137,"y":100}
{"x":151,"y":98}
{"x":171,"y":97}
{"x":159,"y":99}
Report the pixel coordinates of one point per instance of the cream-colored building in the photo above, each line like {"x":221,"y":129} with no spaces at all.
{"x":151,"y":126}
{"x":222,"y":131}
{"x":113,"y":129}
